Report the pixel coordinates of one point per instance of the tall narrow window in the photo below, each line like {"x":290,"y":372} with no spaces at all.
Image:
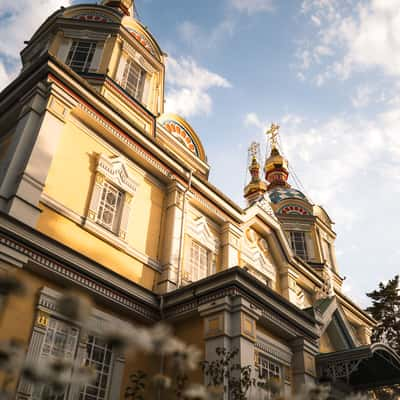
{"x":109,"y":210}
{"x":80,"y":55}
{"x":328,"y":252}
{"x":198,"y":262}
{"x":133,"y":79}
{"x":60,"y":341}
{"x":99,"y":357}
{"x":298,"y":243}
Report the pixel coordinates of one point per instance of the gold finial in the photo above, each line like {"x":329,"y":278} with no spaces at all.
{"x":126,"y":6}
{"x":272,"y":134}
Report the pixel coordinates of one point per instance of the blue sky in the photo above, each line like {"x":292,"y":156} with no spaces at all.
{"x":327,"y":70}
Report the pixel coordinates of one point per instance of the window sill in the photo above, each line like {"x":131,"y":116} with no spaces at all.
{"x":100,"y":232}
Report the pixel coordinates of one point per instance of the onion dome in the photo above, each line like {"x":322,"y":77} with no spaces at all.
{"x":276,"y":166}
{"x":276,"y":170}
{"x":256,"y":188}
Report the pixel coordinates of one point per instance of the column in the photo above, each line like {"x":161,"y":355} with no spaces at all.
{"x":303,"y":364}
{"x":230,"y":323}
{"x":230,"y":244}
{"x":36,"y":139}
{"x":289,"y":284}
{"x":171,"y":254}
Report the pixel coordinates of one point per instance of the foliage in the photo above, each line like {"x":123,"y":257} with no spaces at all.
{"x":386,"y":310}
{"x":225,"y":373}
{"x":136,"y":390}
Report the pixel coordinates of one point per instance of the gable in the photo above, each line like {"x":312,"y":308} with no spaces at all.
{"x":336,"y":331}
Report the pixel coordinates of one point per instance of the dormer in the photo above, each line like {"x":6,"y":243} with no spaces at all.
{"x":109,"y":48}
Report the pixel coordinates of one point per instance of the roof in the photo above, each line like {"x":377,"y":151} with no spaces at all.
{"x":363,"y":368}
{"x":279,"y":194}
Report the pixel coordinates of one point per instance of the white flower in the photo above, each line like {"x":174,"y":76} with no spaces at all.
{"x":75,"y":306}
{"x":196,"y":392}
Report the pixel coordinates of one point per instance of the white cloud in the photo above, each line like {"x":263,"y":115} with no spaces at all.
{"x":253,"y":6}
{"x":198,"y":37}
{"x":362,"y":97}
{"x":189,"y":86}
{"x":351,"y":35}
{"x":18,"y":21}
{"x":252,"y":119}
{"x":342,"y":156}
{"x":4,"y":76}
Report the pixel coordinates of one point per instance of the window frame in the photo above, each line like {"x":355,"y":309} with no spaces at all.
{"x":98,"y":323}
{"x":138,"y":88}
{"x":302,"y":253}
{"x":208,"y":255}
{"x":113,"y":172}
{"x":89,"y":55}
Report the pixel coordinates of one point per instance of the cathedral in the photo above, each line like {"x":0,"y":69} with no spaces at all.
{"x":102,"y":191}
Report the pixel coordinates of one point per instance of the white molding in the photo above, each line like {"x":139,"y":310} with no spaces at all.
{"x":85,"y":34}
{"x":114,"y":169}
{"x":273,"y":349}
{"x":100,"y":232}
{"x":199,"y":230}
{"x":255,"y":254}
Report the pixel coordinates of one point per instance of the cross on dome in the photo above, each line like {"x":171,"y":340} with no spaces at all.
{"x":273,"y":134}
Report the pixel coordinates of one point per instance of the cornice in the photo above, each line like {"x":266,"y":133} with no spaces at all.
{"x":46,"y":256}
{"x":275,"y":309}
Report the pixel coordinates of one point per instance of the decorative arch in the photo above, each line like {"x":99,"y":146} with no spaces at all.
{"x":293,"y":209}
{"x":93,"y":13}
{"x":184,"y":133}
{"x":143,"y":36}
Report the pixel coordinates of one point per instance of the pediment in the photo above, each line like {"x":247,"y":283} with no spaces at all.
{"x":335,"y":328}
{"x":200,"y":230}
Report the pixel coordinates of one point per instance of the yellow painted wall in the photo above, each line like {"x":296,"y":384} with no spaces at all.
{"x":72,"y":235}
{"x":191,"y":332}
{"x":325,"y":345}
{"x":70,"y":183}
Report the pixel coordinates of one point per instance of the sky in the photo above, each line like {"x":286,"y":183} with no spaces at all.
{"x":328,"y":71}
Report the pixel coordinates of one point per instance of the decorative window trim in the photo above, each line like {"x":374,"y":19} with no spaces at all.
{"x":200,"y":231}
{"x":114,"y":171}
{"x":68,"y":41}
{"x":99,"y":321}
{"x":274,"y":350}
{"x":254,"y":254}
{"x":130,"y":51}
{"x":302,"y":240}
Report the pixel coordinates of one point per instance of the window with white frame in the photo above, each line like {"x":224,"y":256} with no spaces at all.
{"x":98,"y":356}
{"x":269,"y":370}
{"x":60,"y":341}
{"x":109,"y":211}
{"x":112,"y":194}
{"x":298,"y":244}
{"x":199,"y":261}
{"x":133,"y":79}
{"x":80,"y":55}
